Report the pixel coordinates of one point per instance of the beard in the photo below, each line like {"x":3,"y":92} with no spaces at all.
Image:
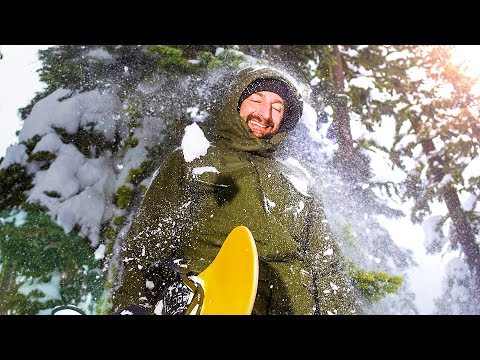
{"x":266,"y":122}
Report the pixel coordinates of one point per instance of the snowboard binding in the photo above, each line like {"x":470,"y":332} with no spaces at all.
{"x":228,"y":285}
{"x":174,"y":289}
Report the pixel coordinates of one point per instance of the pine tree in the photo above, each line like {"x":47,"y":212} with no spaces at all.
{"x":141,"y":84}
{"x":36,"y":251}
{"x":354,"y":82}
{"x":442,"y":110}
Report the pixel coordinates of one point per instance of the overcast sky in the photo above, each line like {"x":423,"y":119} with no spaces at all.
{"x":19,"y":82}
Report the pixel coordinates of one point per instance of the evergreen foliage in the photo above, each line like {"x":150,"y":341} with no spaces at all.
{"x":14,"y":181}
{"x":123,"y":196}
{"x":34,"y":251}
{"x":90,"y":142}
{"x":44,"y":158}
{"x":169,"y":58}
{"x":31,"y":143}
{"x":374,"y":285}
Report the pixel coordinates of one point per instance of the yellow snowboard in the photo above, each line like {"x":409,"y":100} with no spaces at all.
{"x":229,"y":283}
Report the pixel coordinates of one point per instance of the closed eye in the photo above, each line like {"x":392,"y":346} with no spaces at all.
{"x":277,"y":107}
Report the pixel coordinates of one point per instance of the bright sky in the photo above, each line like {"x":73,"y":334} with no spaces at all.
{"x":19,"y":82}
{"x":426,"y":278}
{"x":470,"y":55}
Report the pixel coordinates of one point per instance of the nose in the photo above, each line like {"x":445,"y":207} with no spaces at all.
{"x":265,"y":110}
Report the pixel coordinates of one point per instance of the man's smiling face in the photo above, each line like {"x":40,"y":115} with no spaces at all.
{"x":263,"y":112}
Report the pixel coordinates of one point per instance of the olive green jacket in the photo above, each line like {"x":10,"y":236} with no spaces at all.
{"x":191,"y":206}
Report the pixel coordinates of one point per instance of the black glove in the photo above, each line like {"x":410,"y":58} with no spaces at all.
{"x":164,"y":282}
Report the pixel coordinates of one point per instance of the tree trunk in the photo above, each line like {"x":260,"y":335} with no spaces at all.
{"x":354,"y":166}
{"x":463,"y":231}
{"x":7,"y":283}
{"x":341,"y":119}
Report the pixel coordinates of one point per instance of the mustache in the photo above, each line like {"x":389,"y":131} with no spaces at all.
{"x":267,"y":122}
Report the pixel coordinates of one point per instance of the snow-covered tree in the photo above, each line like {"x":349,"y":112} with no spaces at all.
{"x":92,"y":140}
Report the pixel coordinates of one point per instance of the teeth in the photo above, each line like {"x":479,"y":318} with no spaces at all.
{"x":258,"y":124}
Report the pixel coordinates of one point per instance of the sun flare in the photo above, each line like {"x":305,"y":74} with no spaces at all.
{"x":470,"y":56}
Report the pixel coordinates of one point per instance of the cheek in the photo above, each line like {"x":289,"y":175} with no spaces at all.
{"x":277,"y":120}
{"x":244,"y":111}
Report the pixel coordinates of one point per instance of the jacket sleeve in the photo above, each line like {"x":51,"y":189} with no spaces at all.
{"x":153,"y":234}
{"x":332,"y":287}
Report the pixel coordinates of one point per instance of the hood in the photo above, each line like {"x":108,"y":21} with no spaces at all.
{"x":229,"y":128}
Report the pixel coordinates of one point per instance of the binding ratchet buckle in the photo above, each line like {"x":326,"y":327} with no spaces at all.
{"x":194,"y":284}
{"x":180,"y":291}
